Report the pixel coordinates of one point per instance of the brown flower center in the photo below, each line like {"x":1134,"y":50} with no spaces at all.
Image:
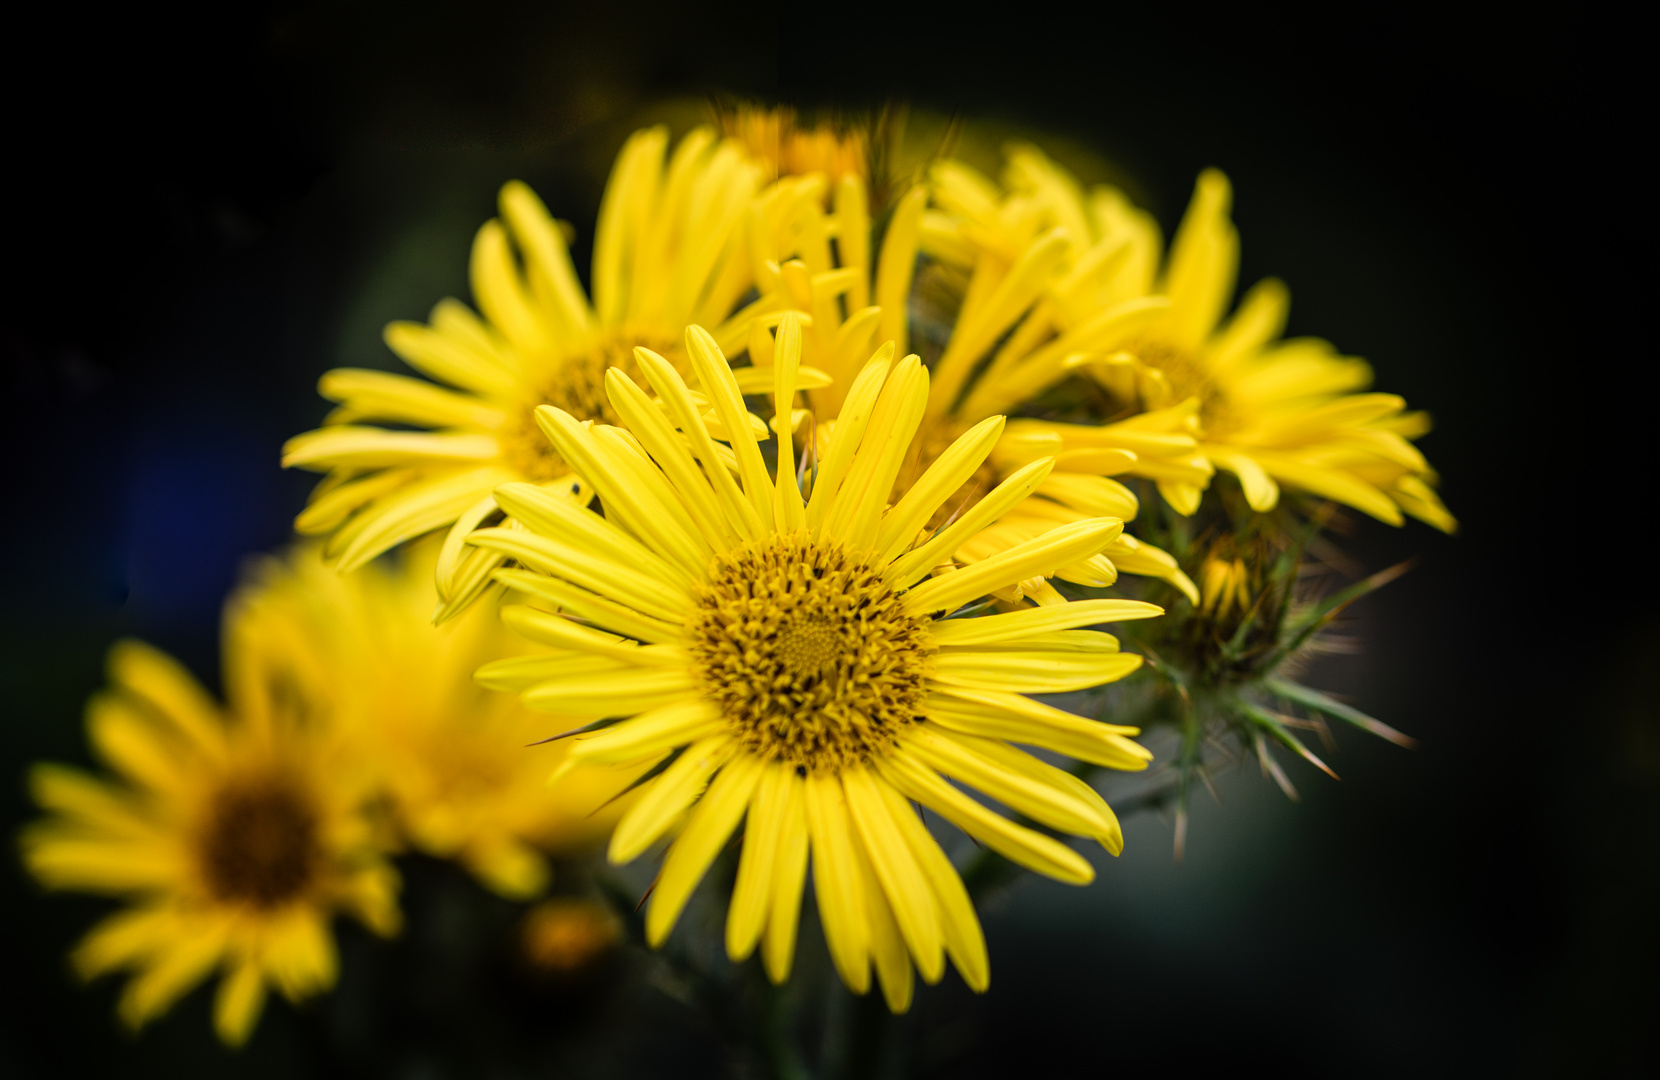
{"x":809,"y":653}
{"x":261,"y":844}
{"x":1188,"y":378}
{"x":577,"y":387}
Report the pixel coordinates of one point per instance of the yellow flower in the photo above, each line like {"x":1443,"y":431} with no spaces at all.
{"x":666,"y":253}
{"x":786,"y":148}
{"x":1270,"y":411}
{"x":455,"y":760}
{"x":821,"y":280}
{"x":786,"y":656}
{"x":234,"y":834}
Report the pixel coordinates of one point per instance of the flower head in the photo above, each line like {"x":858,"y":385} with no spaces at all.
{"x":450,"y":757}
{"x":797,"y":269}
{"x":785,"y":656}
{"x":1216,"y":394}
{"x":234,"y":834}
{"x":666,"y":253}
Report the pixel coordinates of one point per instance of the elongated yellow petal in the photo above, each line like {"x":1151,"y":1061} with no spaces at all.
{"x":896,"y":870}
{"x":896,"y":265}
{"x":679,"y":723}
{"x":431,"y":503}
{"x":715,"y":376}
{"x":657,"y":435}
{"x":688,"y":417}
{"x":850,"y":429}
{"x":1112,"y":838}
{"x":964,"y":940}
{"x":1030,"y":849}
{"x":667,"y":796}
{"x":788,"y":509}
{"x":887,"y":944}
{"x":1074,"y":736}
{"x":1015,"y":488}
{"x":591,"y":606}
{"x":547,"y":260}
{"x":790,"y":878}
{"x":561,"y":633}
{"x":836,"y":881}
{"x":354,"y":447}
{"x":382,"y":395}
{"x":450,"y":358}
{"x":856,"y":513}
{"x":660,"y":598}
{"x":1012,"y":625}
{"x":1041,"y":555}
{"x":948,"y":472}
{"x":620,"y":693}
{"x":763,"y":835}
{"x":1032,"y":672}
{"x":514,"y":674}
{"x":711,"y":824}
{"x":237,"y":1005}
{"x":1040,"y":800}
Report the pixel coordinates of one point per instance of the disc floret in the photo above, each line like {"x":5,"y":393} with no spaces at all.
{"x":808,"y":653}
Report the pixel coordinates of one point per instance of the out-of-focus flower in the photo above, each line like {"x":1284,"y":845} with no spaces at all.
{"x":564,"y":936}
{"x":455,"y":760}
{"x":785,"y":147}
{"x":797,"y":266}
{"x":667,"y":252}
{"x":234,"y":834}
{"x":783,"y":655}
{"x":1222,"y":394}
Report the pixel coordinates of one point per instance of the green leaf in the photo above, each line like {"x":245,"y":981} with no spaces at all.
{"x":1313,"y":699}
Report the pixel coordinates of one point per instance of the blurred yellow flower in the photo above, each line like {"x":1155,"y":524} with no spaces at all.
{"x":565,"y":936}
{"x":783,"y":655}
{"x":818,"y":262}
{"x":667,"y":252}
{"x":234,"y":834}
{"x":1218,"y":395}
{"x":454,"y":759}
{"x":787,"y":148}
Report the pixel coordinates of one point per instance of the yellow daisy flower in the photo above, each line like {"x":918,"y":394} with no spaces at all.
{"x":1272,"y":412}
{"x":667,"y":253}
{"x":787,"y":655}
{"x":852,"y":300}
{"x":235,"y":834}
{"x":452,"y":757}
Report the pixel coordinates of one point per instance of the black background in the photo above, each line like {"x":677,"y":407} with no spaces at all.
{"x":208,"y":210}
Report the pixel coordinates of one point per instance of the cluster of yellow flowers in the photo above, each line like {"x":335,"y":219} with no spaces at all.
{"x":799,"y":595}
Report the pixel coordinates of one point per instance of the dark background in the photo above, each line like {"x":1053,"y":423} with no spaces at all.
{"x":208,"y":210}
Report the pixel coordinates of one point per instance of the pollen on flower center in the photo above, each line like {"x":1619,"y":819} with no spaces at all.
{"x":260,"y":844}
{"x":809,"y":654}
{"x":578,"y":387}
{"x":1188,"y":378}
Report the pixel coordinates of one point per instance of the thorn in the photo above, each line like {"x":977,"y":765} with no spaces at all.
{"x":647,"y":894}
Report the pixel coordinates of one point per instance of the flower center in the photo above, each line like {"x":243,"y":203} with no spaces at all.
{"x":578,"y":387}
{"x":810,"y":655}
{"x":260,"y":846}
{"x":1188,"y":377}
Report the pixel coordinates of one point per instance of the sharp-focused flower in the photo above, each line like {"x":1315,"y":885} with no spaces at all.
{"x":788,"y":658}
{"x":451,"y":757}
{"x":235,"y":834}
{"x":667,"y":252}
{"x":1219,"y":394}
{"x":798,"y":268}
